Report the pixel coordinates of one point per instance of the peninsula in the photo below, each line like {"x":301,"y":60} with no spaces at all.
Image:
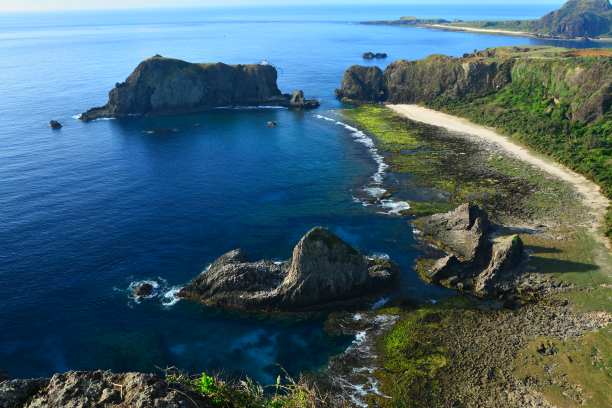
{"x":577,"y":19}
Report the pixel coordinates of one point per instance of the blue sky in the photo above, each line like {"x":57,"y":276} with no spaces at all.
{"x":30,"y":5}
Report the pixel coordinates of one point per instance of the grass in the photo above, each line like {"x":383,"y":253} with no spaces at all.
{"x":573,"y":373}
{"x":285,"y":393}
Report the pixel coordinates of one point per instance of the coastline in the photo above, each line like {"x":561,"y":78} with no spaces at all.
{"x":588,"y":190}
{"x":509,"y":33}
{"x":501,"y":364}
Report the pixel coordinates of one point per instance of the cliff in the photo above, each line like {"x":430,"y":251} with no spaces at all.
{"x":580,"y":82}
{"x":577,"y":18}
{"x":161,"y":85}
{"x":555,"y":100}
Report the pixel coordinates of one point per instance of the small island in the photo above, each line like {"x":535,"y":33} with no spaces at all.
{"x":577,"y":19}
{"x":166,"y":86}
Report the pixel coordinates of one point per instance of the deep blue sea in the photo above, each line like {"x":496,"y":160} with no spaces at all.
{"x":89,"y":210}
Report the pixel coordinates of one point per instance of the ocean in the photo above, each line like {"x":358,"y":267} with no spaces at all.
{"x":89,"y":210}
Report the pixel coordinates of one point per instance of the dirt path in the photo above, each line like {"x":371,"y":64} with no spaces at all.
{"x":590,"y":192}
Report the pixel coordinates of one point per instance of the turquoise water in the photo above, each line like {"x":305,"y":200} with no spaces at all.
{"x":89,"y":210}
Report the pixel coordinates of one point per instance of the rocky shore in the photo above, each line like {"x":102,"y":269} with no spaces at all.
{"x":162,"y":86}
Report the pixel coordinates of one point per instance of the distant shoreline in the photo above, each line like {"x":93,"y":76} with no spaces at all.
{"x":508,"y":32}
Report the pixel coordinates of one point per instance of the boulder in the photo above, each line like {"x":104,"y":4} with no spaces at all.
{"x":323,"y":270}
{"x":143,"y":290}
{"x":54,"y":124}
{"x":97,"y":389}
{"x":362,"y":84}
{"x":161,"y":85}
{"x":462,"y":232}
{"x":503,"y":270}
{"x":297,"y":101}
{"x":380,"y":55}
{"x":368,"y":55}
{"x":473,"y":262}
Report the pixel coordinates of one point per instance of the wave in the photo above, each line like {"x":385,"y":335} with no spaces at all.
{"x":161,"y":291}
{"x":374,"y":191}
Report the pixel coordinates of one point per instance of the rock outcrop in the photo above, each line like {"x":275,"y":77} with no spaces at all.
{"x":475,"y":262}
{"x":362,"y":84}
{"x":577,"y":18}
{"x":55,"y":125}
{"x":323,"y":270}
{"x":580,"y":80}
{"x":169,"y":86}
{"x":97,"y":389}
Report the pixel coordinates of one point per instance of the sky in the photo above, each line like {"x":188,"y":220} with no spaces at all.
{"x":41,"y":5}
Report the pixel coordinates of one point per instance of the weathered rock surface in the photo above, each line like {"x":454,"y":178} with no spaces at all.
{"x":323,"y":270}
{"x":362,"y":84}
{"x":97,"y":389}
{"x":169,"y":86}
{"x":580,"y":81}
{"x":474,"y":262}
{"x":15,"y":393}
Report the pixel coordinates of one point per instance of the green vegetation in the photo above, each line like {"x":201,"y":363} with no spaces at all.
{"x":575,"y":372}
{"x":536,"y":109}
{"x":249,"y":394}
{"x":413,"y":355}
{"x":506,"y":25}
{"x":453,"y":171}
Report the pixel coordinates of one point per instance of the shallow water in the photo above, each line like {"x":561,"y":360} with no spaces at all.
{"x":88,"y":210}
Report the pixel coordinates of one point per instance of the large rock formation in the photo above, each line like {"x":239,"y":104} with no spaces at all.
{"x":168,"y":86}
{"x":577,"y":18}
{"x":97,"y":389}
{"x":362,"y":84}
{"x":322,"y":270}
{"x":475,"y":262}
{"x":580,"y":80}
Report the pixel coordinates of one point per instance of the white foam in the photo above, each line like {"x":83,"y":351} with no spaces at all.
{"x":376,"y":192}
{"x":170,"y":297}
{"x":77,"y":116}
{"x":395,"y":207}
{"x":374,"y":189}
{"x":165,"y":294}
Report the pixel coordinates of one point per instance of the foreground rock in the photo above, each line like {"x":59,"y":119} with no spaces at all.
{"x":169,"y":86}
{"x":581,"y":80}
{"x":97,"y":389}
{"x":475,"y":262}
{"x":323,"y":270}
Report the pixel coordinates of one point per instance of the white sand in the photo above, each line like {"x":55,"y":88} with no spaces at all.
{"x":480,"y":30}
{"x":591,"y":192}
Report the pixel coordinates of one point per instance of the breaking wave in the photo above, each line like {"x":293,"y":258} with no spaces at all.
{"x":373,"y":192}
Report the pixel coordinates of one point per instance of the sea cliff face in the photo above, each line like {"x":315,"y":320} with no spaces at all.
{"x":579,"y":80}
{"x":165,"y":86}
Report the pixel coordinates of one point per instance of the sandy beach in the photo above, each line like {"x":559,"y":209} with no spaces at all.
{"x":480,"y":30}
{"x":591,"y":192}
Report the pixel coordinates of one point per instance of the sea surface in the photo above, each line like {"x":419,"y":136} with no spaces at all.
{"x":89,"y":210}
